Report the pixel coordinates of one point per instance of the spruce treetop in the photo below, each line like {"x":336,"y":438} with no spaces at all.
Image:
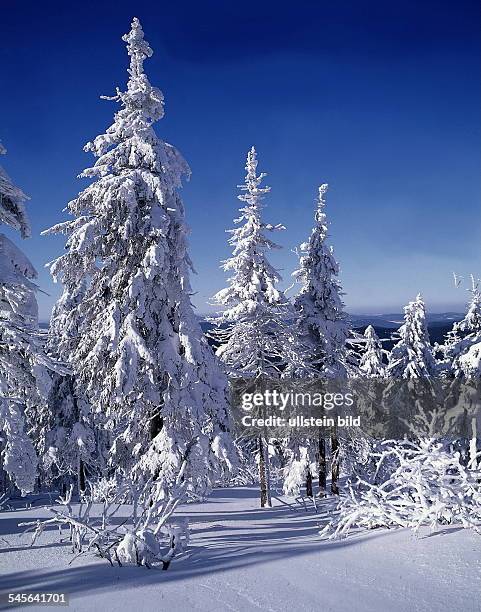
{"x":130,"y":142}
{"x":138,"y":48}
{"x":462,"y":347}
{"x":252,"y":288}
{"x":320,"y":216}
{"x":254,"y":193}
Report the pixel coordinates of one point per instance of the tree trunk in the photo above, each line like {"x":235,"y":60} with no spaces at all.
{"x":309,"y":491}
{"x":3,"y":474}
{"x":334,"y":464}
{"x":268,"y":473}
{"x":264,"y":475}
{"x":322,"y":466}
{"x":80,"y":463}
{"x":81,"y":477}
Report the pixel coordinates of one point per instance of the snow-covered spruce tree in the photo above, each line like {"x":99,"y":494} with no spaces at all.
{"x":254,"y":329}
{"x":321,"y":319}
{"x":412,"y":356}
{"x":372,"y":359}
{"x":462,"y":349}
{"x":24,"y":380}
{"x":370,"y":388}
{"x":471,"y":324}
{"x":139,"y":357}
{"x":412,"y":372}
{"x":322,"y":323}
{"x":461,"y":365}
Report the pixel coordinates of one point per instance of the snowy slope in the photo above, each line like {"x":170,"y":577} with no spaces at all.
{"x":243,"y":558}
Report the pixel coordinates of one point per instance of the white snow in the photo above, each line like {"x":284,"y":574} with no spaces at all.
{"x":244,"y":558}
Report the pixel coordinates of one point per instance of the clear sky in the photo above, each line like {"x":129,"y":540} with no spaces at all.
{"x":379,"y":99}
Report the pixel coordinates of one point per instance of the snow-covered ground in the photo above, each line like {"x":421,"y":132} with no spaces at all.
{"x":244,"y":558}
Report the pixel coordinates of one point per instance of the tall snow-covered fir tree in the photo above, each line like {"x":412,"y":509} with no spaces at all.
{"x":254,"y":329}
{"x":321,"y":320}
{"x":371,"y":362}
{"x":138,"y":356}
{"x":24,"y":379}
{"x":412,"y":356}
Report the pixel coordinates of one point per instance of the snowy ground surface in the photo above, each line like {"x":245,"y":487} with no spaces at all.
{"x":243,"y":558}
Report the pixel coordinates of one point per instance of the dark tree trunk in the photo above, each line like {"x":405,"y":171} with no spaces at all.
{"x":3,"y":473}
{"x":263,"y":475}
{"x":334,"y":464}
{"x":309,"y":491}
{"x":322,"y":465}
{"x":81,"y":477}
{"x":81,"y":480}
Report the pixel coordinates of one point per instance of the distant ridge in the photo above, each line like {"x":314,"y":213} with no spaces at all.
{"x":394,"y":320}
{"x":384,"y":324}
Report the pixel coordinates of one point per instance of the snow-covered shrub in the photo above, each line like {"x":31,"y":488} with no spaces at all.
{"x":104,"y":489}
{"x":148,"y":534}
{"x":140,"y":548}
{"x":427,"y":486}
{"x":295,"y":472}
{"x":146,"y":547}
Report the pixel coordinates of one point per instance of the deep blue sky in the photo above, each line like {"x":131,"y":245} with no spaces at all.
{"x":379,"y":99}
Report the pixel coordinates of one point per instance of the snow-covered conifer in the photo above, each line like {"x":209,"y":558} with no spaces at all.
{"x":412,"y":356}
{"x":321,"y":319}
{"x":139,"y":357}
{"x":462,"y":349}
{"x":371,"y":362}
{"x":24,"y":380}
{"x":254,"y":328}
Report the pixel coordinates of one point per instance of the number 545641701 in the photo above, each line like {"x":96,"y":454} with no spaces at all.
{"x":48,"y":599}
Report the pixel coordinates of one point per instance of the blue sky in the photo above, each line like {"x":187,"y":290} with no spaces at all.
{"x":379,"y":99}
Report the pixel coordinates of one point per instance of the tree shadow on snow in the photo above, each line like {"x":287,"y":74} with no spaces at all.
{"x":221,"y":541}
